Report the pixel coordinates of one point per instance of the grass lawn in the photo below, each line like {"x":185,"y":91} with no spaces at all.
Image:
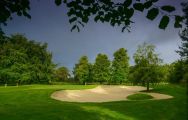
{"x":33,"y":102}
{"x":139,"y":96}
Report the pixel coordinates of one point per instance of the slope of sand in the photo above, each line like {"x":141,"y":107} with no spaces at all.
{"x":103,"y":94}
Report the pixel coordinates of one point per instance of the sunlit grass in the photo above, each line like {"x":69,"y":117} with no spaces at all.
{"x":33,"y":102}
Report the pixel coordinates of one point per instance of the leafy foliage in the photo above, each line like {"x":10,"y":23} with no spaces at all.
{"x":117,"y":13}
{"x":62,"y":74}
{"x":147,"y":61}
{"x":120,"y":66}
{"x":9,"y":7}
{"x":179,"y":72}
{"x":101,"y":69}
{"x":82,"y":70}
{"x":24,"y":61}
{"x":183,"y":52}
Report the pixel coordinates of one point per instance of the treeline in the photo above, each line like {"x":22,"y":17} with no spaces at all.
{"x":148,"y":68}
{"x":28,"y":62}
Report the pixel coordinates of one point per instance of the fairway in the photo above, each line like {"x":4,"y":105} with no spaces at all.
{"x":33,"y":102}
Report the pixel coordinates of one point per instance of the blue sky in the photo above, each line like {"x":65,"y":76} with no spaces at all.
{"x":49,"y":24}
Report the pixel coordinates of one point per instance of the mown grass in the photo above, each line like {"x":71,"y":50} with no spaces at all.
{"x":33,"y":102}
{"x":139,"y":96}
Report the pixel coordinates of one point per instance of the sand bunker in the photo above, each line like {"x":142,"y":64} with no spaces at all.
{"x":103,"y":94}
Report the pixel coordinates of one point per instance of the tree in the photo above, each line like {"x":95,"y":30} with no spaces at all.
{"x":183,"y":52}
{"x":183,"y":49}
{"x":24,"y":61}
{"x":120,"y":66}
{"x":147,"y":62}
{"x":62,"y":74}
{"x":82,"y":70}
{"x":101,"y":69}
{"x":177,"y":71}
{"x":113,"y":12}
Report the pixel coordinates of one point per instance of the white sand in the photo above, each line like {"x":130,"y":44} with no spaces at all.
{"x":104,"y":93}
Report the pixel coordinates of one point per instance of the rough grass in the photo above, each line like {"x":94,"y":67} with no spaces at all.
{"x":33,"y":102}
{"x":139,"y":96}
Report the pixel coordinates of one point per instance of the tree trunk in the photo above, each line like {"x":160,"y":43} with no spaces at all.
{"x":120,"y":82}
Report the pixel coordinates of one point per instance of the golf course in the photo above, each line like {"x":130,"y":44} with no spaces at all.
{"x":93,"y":59}
{"x":33,"y":102}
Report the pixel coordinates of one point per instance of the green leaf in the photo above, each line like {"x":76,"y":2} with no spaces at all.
{"x":127,"y":3}
{"x":152,"y":13}
{"x":138,"y":6}
{"x":168,"y":8}
{"x":58,"y":2}
{"x":164,"y":22}
{"x":72,"y":19}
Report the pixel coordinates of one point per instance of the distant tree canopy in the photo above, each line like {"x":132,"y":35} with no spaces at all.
{"x":110,"y":11}
{"x":82,"y":70}
{"x":62,"y":74}
{"x":101,"y":68}
{"x":24,"y":61}
{"x":120,"y":66}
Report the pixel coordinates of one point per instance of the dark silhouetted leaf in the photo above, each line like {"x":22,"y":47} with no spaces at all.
{"x":27,"y":15}
{"x":64,"y":1}
{"x":19,"y":13}
{"x":73,"y":27}
{"x":78,"y":28}
{"x":168,"y":8}
{"x":72,"y":19}
{"x":101,"y":13}
{"x":127,"y":3}
{"x":178,"y":20}
{"x":85,"y":19}
{"x":123,"y":29}
{"x":154,"y":0}
{"x":129,"y":12}
{"x":58,"y":2}
{"x":81,"y":23}
{"x":152,"y":13}
{"x":138,"y":6}
{"x":97,"y":18}
{"x":164,"y":22}
{"x":148,"y":4}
